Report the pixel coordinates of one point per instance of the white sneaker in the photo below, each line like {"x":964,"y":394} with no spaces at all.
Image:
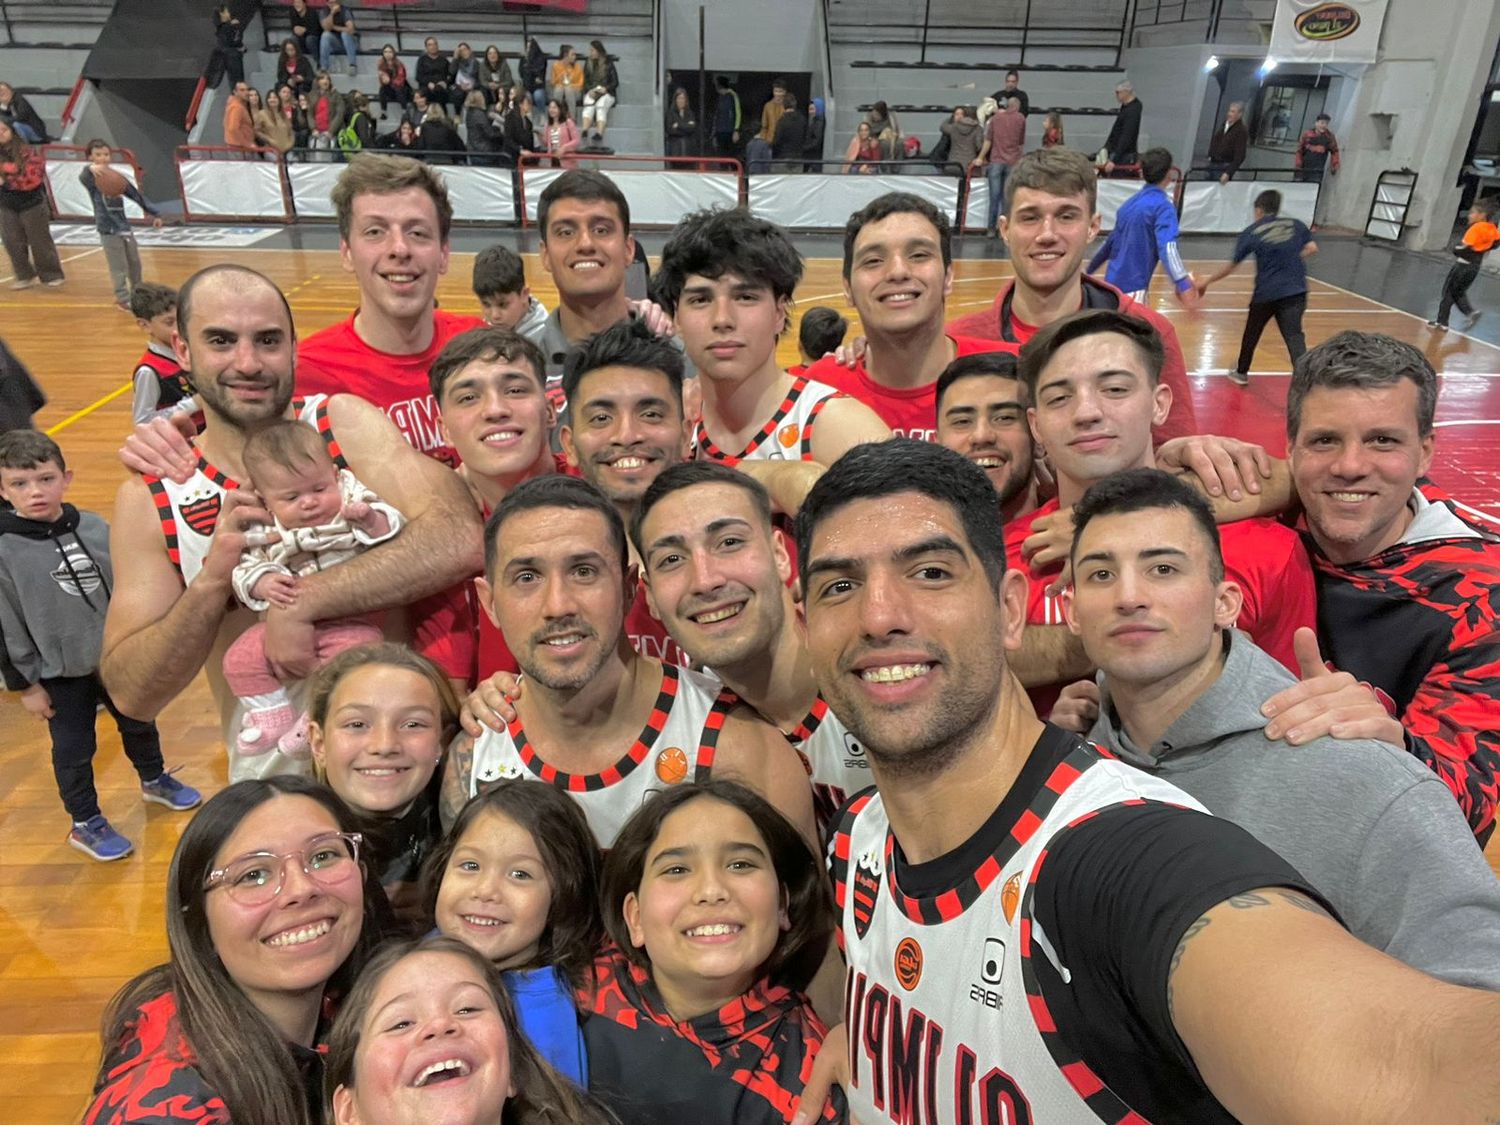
{"x":27,"y":284}
{"x":54,"y":283}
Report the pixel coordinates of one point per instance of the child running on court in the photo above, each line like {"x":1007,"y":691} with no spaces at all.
{"x":55,"y":582}
{"x":1477,"y":241}
{"x":323,"y":516}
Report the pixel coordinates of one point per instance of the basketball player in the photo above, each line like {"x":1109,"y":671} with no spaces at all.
{"x":394,"y":218}
{"x":175,"y":545}
{"x":1051,"y":217}
{"x":1093,"y":382}
{"x":727,"y":278}
{"x":1035,"y":932}
{"x":898,"y":271}
{"x":596,"y":718}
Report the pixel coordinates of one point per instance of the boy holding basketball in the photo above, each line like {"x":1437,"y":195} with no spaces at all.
{"x":108,"y":190}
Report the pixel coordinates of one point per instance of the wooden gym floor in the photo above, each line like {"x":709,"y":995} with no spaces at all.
{"x":73,"y":930}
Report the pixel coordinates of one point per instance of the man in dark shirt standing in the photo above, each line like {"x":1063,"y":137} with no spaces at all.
{"x":1012,"y":90}
{"x":1281,"y":247}
{"x":1226,"y":152}
{"x":1124,"y":138}
{"x":727,"y":117}
{"x":1317,"y":149}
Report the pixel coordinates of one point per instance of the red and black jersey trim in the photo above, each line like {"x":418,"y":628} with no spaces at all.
{"x":655,"y":722}
{"x":810,"y":724}
{"x":325,"y":430}
{"x":1104,"y":1102}
{"x":954,"y":901}
{"x":840,"y":830}
{"x":709,"y":450}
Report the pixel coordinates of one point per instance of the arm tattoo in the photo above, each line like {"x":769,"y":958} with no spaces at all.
{"x":457,"y":774}
{"x":1248,"y":900}
{"x":1192,"y":931}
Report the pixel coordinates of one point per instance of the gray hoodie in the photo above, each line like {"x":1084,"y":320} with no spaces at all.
{"x":55,"y":580}
{"x":1364,"y":822}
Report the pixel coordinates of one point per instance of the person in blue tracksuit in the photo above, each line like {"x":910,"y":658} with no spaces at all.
{"x":1145,"y":232}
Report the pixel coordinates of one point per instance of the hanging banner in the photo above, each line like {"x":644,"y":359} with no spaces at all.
{"x":1321,"y":31}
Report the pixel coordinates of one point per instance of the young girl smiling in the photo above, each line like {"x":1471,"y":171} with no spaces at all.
{"x":517,"y":878}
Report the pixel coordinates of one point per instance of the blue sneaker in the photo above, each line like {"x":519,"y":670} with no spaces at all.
{"x":96,"y":838}
{"x":167,"y":790}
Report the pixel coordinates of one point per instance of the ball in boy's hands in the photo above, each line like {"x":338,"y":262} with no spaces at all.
{"x":110,"y":183}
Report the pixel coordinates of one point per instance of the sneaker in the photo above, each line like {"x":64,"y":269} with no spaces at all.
{"x":1239,"y":378}
{"x":96,"y":838}
{"x":1473,"y":319}
{"x":123,"y":306}
{"x":167,"y":790}
{"x":27,"y":284}
{"x":1437,"y":326}
{"x":54,"y":283}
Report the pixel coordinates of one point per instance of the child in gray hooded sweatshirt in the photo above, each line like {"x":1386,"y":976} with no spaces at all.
{"x":55,"y":583}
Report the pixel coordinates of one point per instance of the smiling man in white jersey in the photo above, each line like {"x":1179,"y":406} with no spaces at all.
{"x":1035,"y":932}
{"x":175,"y":545}
{"x":596,"y":718}
{"x":727,"y":278}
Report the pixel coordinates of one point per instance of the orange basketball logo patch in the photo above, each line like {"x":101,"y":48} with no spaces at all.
{"x":671,"y":765}
{"x":1010,"y":896}
{"x":908,"y":963}
{"x":789,"y":434}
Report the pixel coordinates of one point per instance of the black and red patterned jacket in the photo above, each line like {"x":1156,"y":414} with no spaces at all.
{"x":1420,"y":623}
{"x":745,"y":1063}
{"x":151,"y":1076}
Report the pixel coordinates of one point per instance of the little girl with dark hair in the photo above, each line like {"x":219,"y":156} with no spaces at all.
{"x":517,"y":878}
{"x":720,"y":917}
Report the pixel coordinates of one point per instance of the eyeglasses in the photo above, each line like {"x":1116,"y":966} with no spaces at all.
{"x":256,"y":879}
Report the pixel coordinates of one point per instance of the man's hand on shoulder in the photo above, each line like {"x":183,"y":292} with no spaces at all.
{"x":162,"y":447}
{"x":1327,"y":703}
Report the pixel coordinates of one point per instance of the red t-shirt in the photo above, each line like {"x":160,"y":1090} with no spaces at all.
{"x":1182,"y":420}
{"x":908,"y":411}
{"x":337,"y":361}
{"x":1263,"y":558}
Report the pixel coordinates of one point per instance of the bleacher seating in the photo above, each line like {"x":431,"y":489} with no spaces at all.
{"x":43,"y":46}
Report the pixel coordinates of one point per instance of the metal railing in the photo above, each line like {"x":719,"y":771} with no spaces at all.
{"x":1018,"y":27}
{"x":1167,"y":13}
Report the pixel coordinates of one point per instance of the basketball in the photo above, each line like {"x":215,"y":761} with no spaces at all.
{"x":110,"y":183}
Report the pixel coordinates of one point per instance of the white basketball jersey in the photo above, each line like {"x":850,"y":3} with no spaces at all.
{"x":946,"y":1021}
{"x":677,"y":744}
{"x":834,"y":759}
{"x":188,"y":514}
{"x":788,"y":434}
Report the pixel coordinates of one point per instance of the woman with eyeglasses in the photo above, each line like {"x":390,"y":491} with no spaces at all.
{"x":270,"y":915}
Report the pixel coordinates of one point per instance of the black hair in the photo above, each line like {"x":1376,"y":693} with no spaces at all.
{"x":553,"y":491}
{"x":713,"y":243}
{"x":998,"y":365}
{"x":1037,"y":352}
{"x":189,"y":288}
{"x":1362,"y":360}
{"x":1156,"y":163}
{"x":567,"y":846}
{"x":585,"y":185}
{"x":498,"y":271}
{"x":878,"y":469}
{"x":721,"y":81}
{"x":626,"y":344}
{"x":1144,"y":490}
{"x":1322,"y":117}
{"x":148,"y":300}
{"x":1268,"y":202}
{"x":800,"y":950}
{"x":687,"y":474}
{"x":822,"y":330}
{"x":896,"y":203}
{"x":488,"y":345}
